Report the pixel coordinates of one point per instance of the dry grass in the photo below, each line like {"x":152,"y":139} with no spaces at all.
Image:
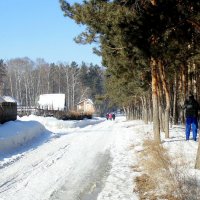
{"x":136,"y":168}
{"x":161,"y":179}
{"x":145,"y":187}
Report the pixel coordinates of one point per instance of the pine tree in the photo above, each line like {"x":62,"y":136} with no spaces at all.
{"x":139,"y":36}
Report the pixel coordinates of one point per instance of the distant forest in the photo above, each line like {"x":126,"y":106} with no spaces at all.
{"x":25,"y":79}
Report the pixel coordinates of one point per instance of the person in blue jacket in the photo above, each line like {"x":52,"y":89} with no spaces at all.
{"x":191,"y":107}
{"x":107,"y":116}
{"x":113,"y":116}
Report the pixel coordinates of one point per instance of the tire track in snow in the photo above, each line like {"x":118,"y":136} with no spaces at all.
{"x":69,"y":161}
{"x":88,"y":184}
{"x":28,"y":172}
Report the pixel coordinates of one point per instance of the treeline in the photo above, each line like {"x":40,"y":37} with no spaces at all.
{"x":25,"y":79}
{"x":152,"y":53}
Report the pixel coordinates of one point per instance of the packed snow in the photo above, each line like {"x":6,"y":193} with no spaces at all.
{"x":49,"y":159}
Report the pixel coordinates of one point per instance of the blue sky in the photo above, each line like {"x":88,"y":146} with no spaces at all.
{"x":38,"y":29}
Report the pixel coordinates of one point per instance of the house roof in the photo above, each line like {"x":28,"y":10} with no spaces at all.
{"x":8,"y":99}
{"x":88,"y":100}
{"x":52,"y":101}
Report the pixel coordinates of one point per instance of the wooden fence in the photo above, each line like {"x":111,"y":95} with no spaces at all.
{"x":8,"y":111}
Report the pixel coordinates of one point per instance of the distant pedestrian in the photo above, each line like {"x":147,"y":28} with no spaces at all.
{"x":191,"y":107}
{"x":110,"y":116}
{"x":113,"y":116}
{"x":107,"y":116}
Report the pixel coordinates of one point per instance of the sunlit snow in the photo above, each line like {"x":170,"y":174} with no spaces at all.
{"x":52,"y":101}
{"x":49,"y":159}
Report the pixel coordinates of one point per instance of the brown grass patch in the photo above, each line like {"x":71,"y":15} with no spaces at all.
{"x":161,"y":179}
{"x":146,"y":187}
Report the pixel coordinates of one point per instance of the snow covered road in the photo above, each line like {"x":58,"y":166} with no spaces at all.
{"x":93,"y":162}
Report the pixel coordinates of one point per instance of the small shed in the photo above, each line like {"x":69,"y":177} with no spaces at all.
{"x":8,"y":110}
{"x":86,"y":106}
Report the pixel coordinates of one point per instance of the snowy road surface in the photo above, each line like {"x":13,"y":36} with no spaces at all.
{"x":89,"y":163}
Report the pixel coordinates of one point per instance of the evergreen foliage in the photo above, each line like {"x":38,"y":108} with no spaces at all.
{"x":131,"y":35}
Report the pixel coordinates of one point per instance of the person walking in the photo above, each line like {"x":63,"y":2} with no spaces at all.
{"x":113,"y":116}
{"x":107,"y":116}
{"x":191,"y":107}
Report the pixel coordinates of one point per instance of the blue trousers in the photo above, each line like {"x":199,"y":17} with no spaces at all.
{"x":191,"y":121}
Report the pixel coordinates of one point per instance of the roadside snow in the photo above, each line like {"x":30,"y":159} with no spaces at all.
{"x":76,"y":161}
{"x":17,"y":133}
{"x":119,"y":183}
{"x":53,"y":124}
{"x":14,"y":134}
{"x":49,"y":159}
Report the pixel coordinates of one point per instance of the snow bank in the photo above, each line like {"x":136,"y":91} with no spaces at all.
{"x":52,"y":123}
{"x":16,"y":133}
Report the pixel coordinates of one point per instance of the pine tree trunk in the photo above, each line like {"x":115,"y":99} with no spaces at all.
{"x":197,"y":164}
{"x":156,"y":124}
{"x":175,"y":116}
{"x":160,"y":106}
{"x":185,"y":80}
{"x":128,"y":112}
{"x":190,"y":86}
{"x":144,"y":109}
{"x":167,"y":98}
{"x":185,"y":86}
{"x":150,"y":113}
{"x":161,"y":118}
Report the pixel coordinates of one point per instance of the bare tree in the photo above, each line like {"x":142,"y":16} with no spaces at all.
{"x":2,"y":76}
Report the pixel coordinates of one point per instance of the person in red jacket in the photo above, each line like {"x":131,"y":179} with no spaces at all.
{"x":110,"y":116}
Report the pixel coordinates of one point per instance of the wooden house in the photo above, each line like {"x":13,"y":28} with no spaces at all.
{"x":86,"y":106}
